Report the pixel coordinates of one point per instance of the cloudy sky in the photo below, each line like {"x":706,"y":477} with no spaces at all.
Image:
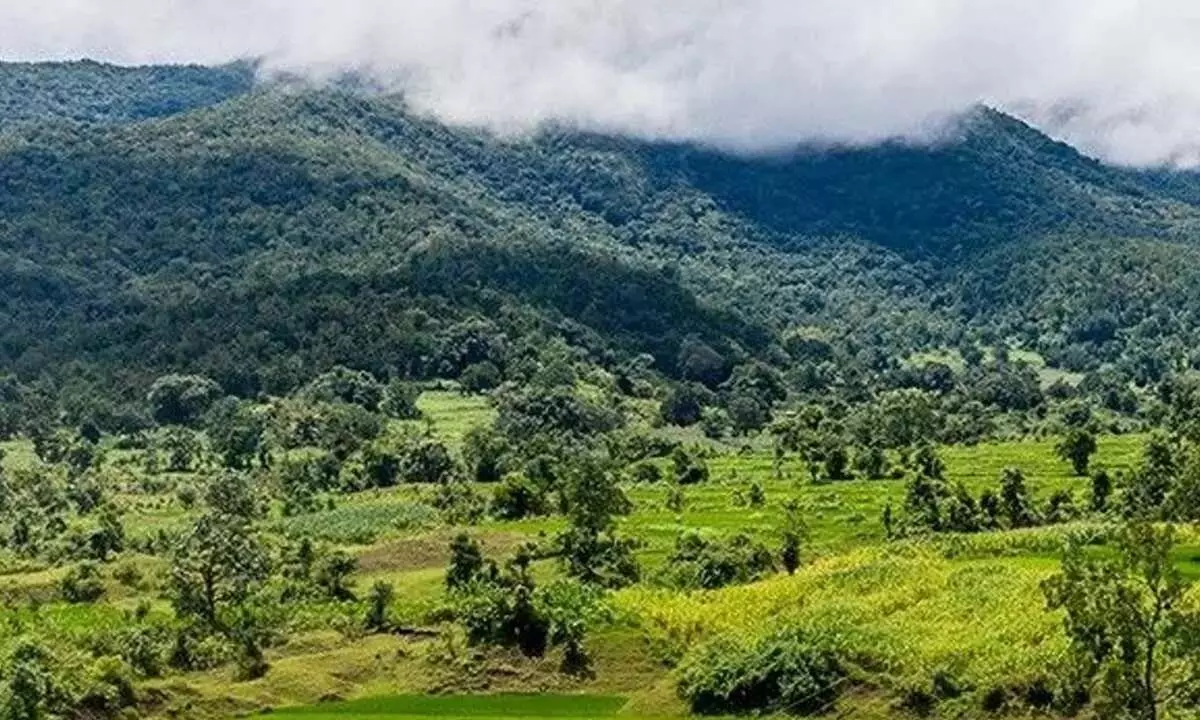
{"x":1120,"y":78}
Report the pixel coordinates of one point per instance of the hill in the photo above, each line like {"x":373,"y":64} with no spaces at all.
{"x":313,"y":405}
{"x":326,"y":227}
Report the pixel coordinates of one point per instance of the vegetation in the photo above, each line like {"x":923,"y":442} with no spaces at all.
{"x":312,"y":405}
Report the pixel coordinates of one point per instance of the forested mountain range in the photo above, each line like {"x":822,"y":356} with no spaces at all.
{"x":159,"y":220}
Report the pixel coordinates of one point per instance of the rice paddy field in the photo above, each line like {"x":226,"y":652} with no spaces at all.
{"x":969,"y":608}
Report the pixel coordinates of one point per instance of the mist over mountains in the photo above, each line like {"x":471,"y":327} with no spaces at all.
{"x":1114,"y":77}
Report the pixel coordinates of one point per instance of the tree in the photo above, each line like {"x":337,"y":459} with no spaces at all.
{"x":684,"y":404}
{"x":109,"y":535}
{"x":1132,"y":633}
{"x":82,"y":584}
{"x":217,"y":564}
{"x":31,"y":687}
{"x":1102,"y":487}
{"x":1077,"y":448}
{"x":590,"y":548}
{"x":379,"y":603}
{"x":400,"y":400}
{"x":332,"y":573}
{"x":480,"y":378}
{"x":466,"y":562}
{"x":793,"y":534}
{"x":181,"y":399}
{"x":700,"y":363}
{"x":342,"y":384}
{"x":871,"y":462}
{"x":484,"y":451}
{"x":235,"y":431}
{"x":1015,"y":502}
{"x":234,"y":495}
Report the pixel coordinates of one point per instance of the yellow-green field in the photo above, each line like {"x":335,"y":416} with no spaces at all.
{"x":966,"y":607}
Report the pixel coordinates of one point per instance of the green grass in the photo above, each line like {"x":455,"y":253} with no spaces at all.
{"x":844,"y":515}
{"x":360,"y":520}
{"x":453,"y":415}
{"x":969,"y":604}
{"x":511,"y":707}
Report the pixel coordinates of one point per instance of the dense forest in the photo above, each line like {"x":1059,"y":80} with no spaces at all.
{"x":279,"y":360}
{"x":327,"y":228}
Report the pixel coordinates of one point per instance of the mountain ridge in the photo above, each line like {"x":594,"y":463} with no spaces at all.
{"x":111,"y":233}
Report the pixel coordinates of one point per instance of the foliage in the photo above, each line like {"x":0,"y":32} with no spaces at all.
{"x":702,"y":564}
{"x":1077,"y":448}
{"x":1133,"y":633}
{"x":788,"y":671}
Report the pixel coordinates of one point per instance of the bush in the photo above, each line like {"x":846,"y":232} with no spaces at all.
{"x":786,"y":671}
{"x":647,"y":473}
{"x":518,"y":498}
{"x":697,"y":563}
{"x":690,"y":469}
{"x":82,"y":584}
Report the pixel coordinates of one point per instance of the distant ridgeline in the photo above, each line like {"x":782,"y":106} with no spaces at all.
{"x":184,"y":219}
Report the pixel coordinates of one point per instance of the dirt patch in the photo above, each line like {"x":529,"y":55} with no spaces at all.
{"x":431,"y":550}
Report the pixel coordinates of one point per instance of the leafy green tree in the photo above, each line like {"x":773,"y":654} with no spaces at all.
{"x":181,"y":399}
{"x":82,"y":584}
{"x":332,"y":574}
{"x":480,"y":378}
{"x":746,"y":413}
{"x":837,"y":461}
{"x":400,"y":400}
{"x":793,"y":535}
{"x":700,"y":363}
{"x":343,"y":385}
{"x":31,"y":691}
{"x":700,"y":563}
{"x":871,"y":462}
{"x":235,"y":495}
{"x":236,"y":432}
{"x":1102,"y":489}
{"x":684,"y":404}
{"x":1148,"y":488}
{"x":688,"y":467}
{"x":108,"y":537}
{"x":926,"y":461}
{"x":715,"y":423}
{"x":182,"y":447}
{"x":467,"y":563}
{"x":379,"y":603}
{"x":1015,"y":502}
{"x":1134,"y":636}
{"x":1077,"y":448}
{"x":518,"y":497}
{"x":485,"y":453}
{"x":590,"y":548}
{"x":215,"y":567}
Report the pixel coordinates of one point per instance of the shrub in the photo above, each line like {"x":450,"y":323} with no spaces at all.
{"x":82,"y":584}
{"x":786,"y":671}
{"x":689,"y":469}
{"x":379,"y":604}
{"x":518,"y":498}
{"x":698,"y":563}
{"x":647,"y":473}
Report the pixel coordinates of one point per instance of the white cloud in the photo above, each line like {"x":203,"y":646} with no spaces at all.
{"x":1120,"y":78}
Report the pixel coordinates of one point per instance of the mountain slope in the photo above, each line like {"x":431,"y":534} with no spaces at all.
{"x":262,"y":237}
{"x":88,"y":91}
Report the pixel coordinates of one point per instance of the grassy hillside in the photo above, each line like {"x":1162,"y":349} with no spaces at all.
{"x":314,"y":406}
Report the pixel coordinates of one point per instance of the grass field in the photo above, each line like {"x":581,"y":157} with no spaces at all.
{"x":966,"y":607}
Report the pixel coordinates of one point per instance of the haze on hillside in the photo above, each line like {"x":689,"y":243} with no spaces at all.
{"x":1118,"y":78}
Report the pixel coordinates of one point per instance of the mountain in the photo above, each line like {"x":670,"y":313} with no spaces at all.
{"x":163,"y":219}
